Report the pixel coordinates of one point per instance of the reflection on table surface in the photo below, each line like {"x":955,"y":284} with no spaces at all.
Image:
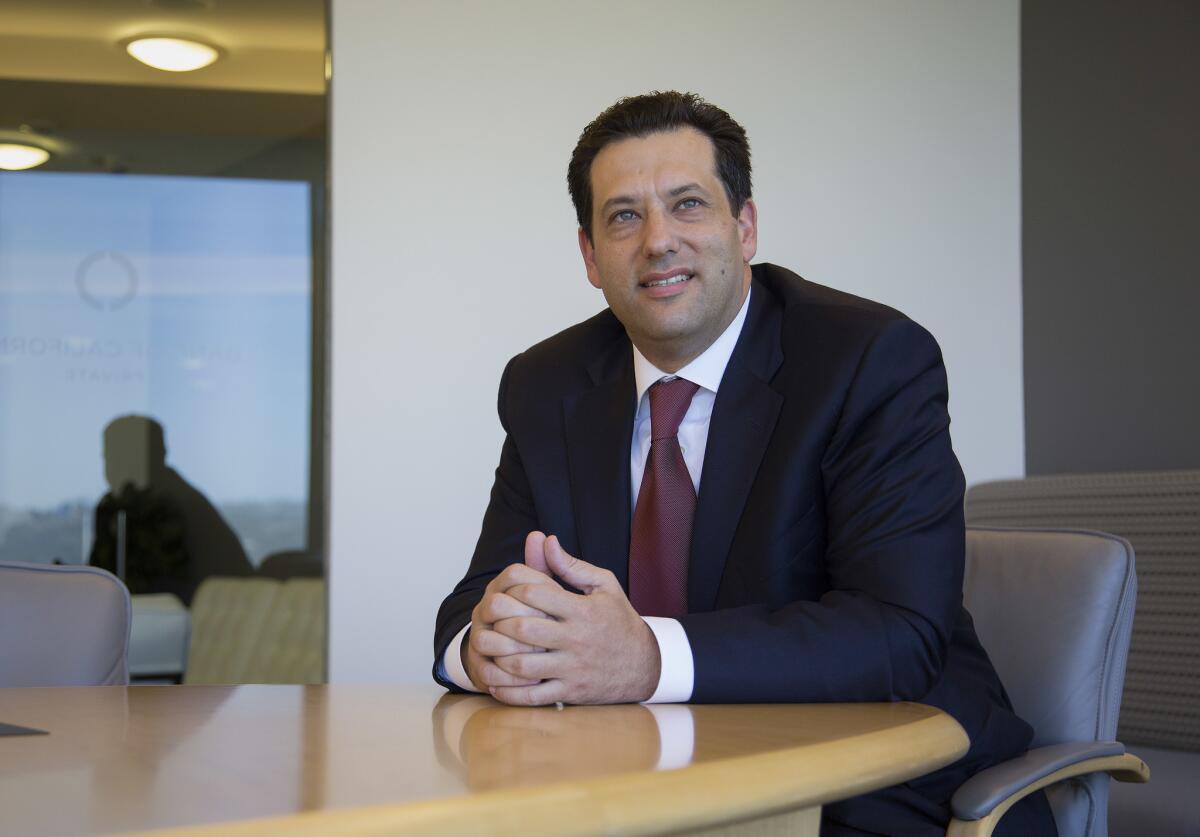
{"x":124,"y":758}
{"x":492,"y":746}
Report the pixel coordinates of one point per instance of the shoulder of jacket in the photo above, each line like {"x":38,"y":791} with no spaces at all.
{"x":809,"y":308}
{"x":565,"y":356}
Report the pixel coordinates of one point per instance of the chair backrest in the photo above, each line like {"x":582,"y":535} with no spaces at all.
{"x":62,"y":626}
{"x":258,"y":630}
{"x":228,"y":615}
{"x":1054,"y":611}
{"x":1159,"y":513}
{"x":291,"y":563}
{"x":291,"y":646}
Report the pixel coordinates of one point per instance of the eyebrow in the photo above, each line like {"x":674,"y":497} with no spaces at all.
{"x":619,"y":200}
{"x":629,"y":200}
{"x":687,"y":187}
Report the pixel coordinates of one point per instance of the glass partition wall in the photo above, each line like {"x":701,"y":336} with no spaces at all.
{"x":162,"y":275}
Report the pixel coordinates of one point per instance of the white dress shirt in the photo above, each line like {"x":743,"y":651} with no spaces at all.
{"x":677,"y":676}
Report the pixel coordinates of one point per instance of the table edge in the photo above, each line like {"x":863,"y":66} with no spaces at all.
{"x":647,"y":802}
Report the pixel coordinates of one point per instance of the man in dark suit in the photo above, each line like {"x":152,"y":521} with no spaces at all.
{"x":733,"y":485}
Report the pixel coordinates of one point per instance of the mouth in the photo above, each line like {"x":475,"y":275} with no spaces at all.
{"x":677,"y":278}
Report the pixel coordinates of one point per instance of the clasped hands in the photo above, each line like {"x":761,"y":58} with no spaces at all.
{"x":532,"y":642}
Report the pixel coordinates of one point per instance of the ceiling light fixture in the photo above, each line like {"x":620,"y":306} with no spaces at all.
{"x":18,"y":156}
{"x":175,"y":55}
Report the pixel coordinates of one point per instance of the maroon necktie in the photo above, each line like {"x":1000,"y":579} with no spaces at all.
{"x":662,"y":520}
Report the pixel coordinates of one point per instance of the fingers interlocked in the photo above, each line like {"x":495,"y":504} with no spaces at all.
{"x":533,"y":642}
{"x":486,"y":644}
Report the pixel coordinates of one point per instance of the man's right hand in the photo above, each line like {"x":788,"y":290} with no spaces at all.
{"x":483,"y":644}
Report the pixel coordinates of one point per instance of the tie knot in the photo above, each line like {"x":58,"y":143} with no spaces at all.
{"x":669,"y":402}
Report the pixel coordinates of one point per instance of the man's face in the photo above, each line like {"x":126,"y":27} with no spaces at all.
{"x":666,"y":250}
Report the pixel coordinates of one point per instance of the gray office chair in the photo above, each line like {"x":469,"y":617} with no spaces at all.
{"x":1054,"y":611}
{"x":1159,"y":513}
{"x":62,"y":626}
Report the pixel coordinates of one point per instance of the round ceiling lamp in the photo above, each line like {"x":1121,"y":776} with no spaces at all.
{"x":18,"y":156}
{"x":175,"y":55}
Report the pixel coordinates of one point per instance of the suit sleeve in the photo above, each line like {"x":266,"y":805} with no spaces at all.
{"x":895,"y":543}
{"x":510,"y":516}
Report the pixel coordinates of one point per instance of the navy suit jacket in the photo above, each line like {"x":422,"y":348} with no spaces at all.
{"x":828,"y":546}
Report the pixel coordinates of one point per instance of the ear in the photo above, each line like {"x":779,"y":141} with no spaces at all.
{"x":589,"y":258}
{"x":747,"y":221}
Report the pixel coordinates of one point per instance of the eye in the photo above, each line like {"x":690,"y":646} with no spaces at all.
{"x":690,"y":203}
{"x":624,"y":216}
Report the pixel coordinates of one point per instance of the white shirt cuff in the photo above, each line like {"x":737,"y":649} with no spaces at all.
{"x":452,"y":666}
{"x":677,"y":675}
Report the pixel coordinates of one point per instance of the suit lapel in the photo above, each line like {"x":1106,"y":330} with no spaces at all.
{"x":599,"y":431}
{"x":743,"y":418}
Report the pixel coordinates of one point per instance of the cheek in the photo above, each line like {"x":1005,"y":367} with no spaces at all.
{"x":727,"y":250}
{"x":612,"y":270}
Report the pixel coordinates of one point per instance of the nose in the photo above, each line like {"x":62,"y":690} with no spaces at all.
{"x":659,"y":237}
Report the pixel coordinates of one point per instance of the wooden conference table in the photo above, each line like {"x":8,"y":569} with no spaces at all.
{"x":317,"y":760}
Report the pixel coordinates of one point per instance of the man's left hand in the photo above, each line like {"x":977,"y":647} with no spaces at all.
{"x":598,"y":650}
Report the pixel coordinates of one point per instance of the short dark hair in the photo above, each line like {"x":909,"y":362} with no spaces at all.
{"x":651,"y":113}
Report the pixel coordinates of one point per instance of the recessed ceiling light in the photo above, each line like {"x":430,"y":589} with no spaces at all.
{"x":17,"y":157}
{"x":176,"y":55}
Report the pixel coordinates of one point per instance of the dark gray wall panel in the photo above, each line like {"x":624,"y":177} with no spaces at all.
{"x":1111,"y":226}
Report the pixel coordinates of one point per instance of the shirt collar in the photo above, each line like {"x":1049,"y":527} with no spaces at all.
{"x":706,"y":370}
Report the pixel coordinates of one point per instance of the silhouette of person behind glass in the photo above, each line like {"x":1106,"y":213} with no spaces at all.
{"x":174,"y":537}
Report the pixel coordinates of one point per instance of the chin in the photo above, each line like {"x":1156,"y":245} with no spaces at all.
{"x":664,"y":335}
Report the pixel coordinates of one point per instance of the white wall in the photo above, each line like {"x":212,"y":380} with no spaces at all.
{"x":886,"y":159}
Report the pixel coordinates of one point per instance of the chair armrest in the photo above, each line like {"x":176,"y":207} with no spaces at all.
{"x":980,"y":801}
